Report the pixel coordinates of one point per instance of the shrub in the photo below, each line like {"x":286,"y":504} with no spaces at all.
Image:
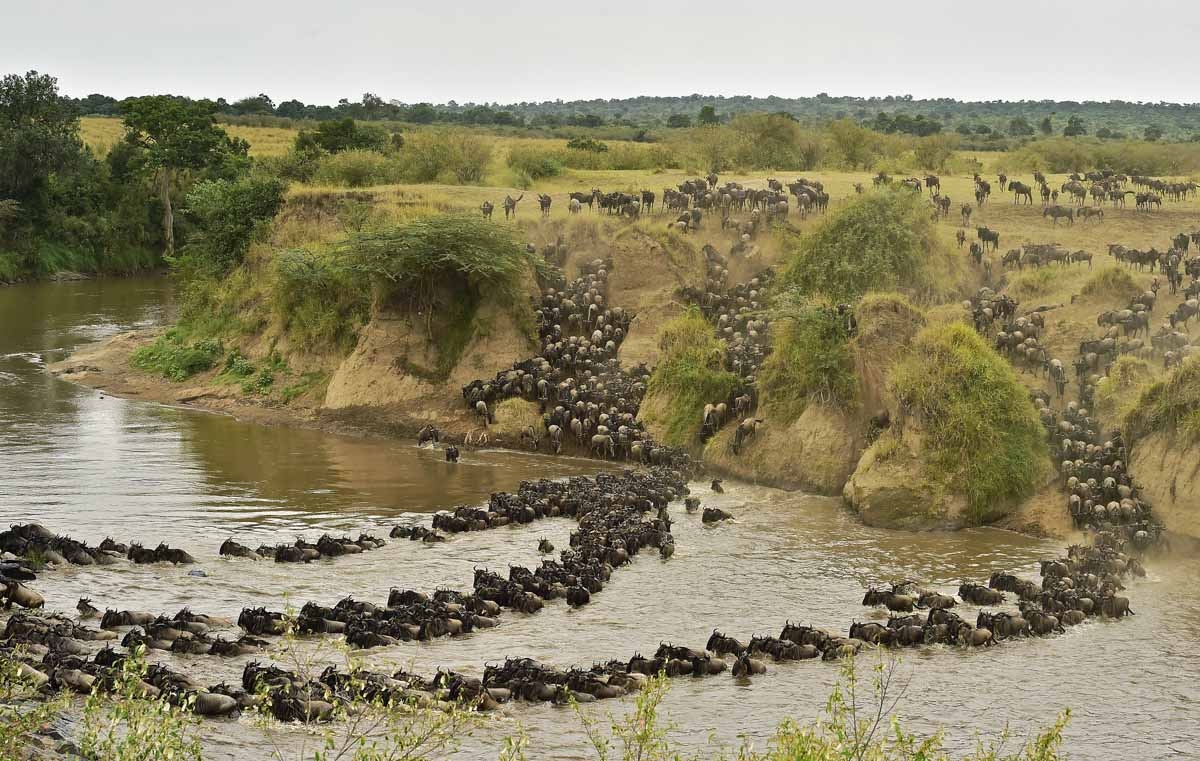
{"x":776,"y":141}
{"x":227,"y":215}
{"x":318,"y":300}
{"x":811,"y":359}
{"x":1171,"y":406}
{"x":175,"y":359}
{"x":689,"y":375}
{"x":1111,"y":282}
{"x":414,"y":260}
{"x":882,"y":240}
{"x":445,"y":155}
{"x":359,"y":169}
{"x":337,"y":135}
{"x":981,"y":434}
{"x":534,"y":162}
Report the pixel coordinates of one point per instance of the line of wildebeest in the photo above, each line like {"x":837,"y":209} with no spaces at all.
{"x":619,"y":515}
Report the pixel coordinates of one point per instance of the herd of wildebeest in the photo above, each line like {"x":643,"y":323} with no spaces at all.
{"x":590,"y":406}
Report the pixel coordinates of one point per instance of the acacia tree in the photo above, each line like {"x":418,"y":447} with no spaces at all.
{"x":176,"y":134}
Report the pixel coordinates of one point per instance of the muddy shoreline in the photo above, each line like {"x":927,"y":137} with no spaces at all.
{"x":105,"y":367}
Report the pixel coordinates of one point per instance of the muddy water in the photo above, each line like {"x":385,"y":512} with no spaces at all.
{"x":93,"y":465}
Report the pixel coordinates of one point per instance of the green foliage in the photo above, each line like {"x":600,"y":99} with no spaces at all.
{"x":811,"y":360}
{"x":882,"y":240}
{"x":934,"y":151}
{"x":707,"y":116}
{"x":1034,"y":283}
{"x":39,"y":136}
{"x":1170,"y":406}
{"x":536,"y":163}
{"x":445,"y":155}
{"x":227,"y":215}
{"x":343,"y":135}
{"x":1111,"y":282}
{"x":689,"y":374}
{"x":23,"y":712}
{"x":125,"y":724}
{"x":1075,"y":127}
{"x":318,"y":300}
{"x":855,"y":145}
{"x":176,"y":359}
{"x":175,"y":132}
{"x":1062,"y":155}
{"x":776,"y":141}
{"x":359,"y":169}
{"x":416,"y":259}
{"x":586,"y":144}
{"x":981,"y":434}
{"x":858,"y":723}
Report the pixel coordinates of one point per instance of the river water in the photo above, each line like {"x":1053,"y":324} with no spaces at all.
{"x":84,"y":463}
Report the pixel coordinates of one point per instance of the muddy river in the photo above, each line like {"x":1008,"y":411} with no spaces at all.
{"x":92,"y":465}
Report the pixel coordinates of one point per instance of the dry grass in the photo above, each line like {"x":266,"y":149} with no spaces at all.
{"x":100,"y":133}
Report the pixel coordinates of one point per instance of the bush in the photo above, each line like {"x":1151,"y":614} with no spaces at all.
{"x":981,"y":434}
{"x":534,"y":162}
{"x":358,"y":169}
{"x":337,"y":135}
{"x":811,"y":359}
{"x":776,"y":141}
{"x":690,"y":374}
{"x":445,"y":155}
{"x":318,"y":300}
{"x":882,"y":240}
{"x":227,"y":215}
{"x":1035,"y":283}
{"x":1061,"y":155}
{"x":1170,"y":406}
{"x":175,"y":359}
{"x":1113,"y":282}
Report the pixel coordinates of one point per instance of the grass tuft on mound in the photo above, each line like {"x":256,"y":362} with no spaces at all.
{"x":1118,"y":391}
{"x":1112,"y":281}
{"x":689,"y":375}
{"x":1172,"y":405}
{"x":981,"y":434}
{"x":811,"y":360}
{"x":881,"y":240}
{"x":176,"y":359}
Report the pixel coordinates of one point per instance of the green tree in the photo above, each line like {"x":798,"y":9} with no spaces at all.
{"x":707,"y":116}
{"x":1019,"y":126}
{"x":176,"y":135}
{"x":1075,"y":127}
{"x":1152,"y":133}
{"x":39,"y":135}
{"x":679,"y":121}
{"x":1046,"y":127}
{"x":854,"y":143}
{"x":934,"y":151}
{"x":255,"y":104}
{"x":227,"y":214}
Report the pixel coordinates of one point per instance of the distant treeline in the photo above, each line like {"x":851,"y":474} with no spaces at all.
{"x":981,"y":122}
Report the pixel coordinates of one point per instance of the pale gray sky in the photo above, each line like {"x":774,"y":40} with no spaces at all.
{"x":517,"y":50}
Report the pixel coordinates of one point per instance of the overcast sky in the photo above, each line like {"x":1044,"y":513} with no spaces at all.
{"x":515,"y":50}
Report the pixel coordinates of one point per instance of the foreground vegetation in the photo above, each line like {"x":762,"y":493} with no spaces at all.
{"x":859,"y":723}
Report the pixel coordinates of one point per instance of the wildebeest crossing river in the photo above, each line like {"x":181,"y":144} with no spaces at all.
{"x":94,"y":466}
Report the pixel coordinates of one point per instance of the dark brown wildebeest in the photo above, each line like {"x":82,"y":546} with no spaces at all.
{"x":988,"y":237}
{"x":544,"y":202}
{"x":510,"y":205}
{"x":1088,"y":212}
{"x":933,"y":183}
{"x":1021,"y":190}
{"x":960,"y":237}
{"x":965,"y":210}
{"x":487,"y":209}
{"x":1055,"y":212}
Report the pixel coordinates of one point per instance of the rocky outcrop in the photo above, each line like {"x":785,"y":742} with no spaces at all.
{"x":816,"y":453}
{"x":890,"y":489}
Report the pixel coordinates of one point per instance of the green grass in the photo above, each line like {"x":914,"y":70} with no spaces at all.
{"x":981,"y":434}
{"x":881,"y":240}
{"x":176,"y":359}
{"x":1035,"y":283}
{"x":811,"y":359}
{"x":1171,"y":406}
{"x":689,"y":375}
{"x":1118,"y":391}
